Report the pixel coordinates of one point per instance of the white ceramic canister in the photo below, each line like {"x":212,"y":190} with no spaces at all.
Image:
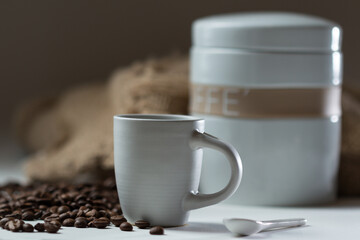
{"x":270,"y":83}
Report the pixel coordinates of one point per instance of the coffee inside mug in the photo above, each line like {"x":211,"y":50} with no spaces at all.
{"x":158,"y":117}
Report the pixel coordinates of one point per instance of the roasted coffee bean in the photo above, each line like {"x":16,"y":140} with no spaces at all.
{"x":65,"y":196}
{"x":37,"y":214}
{"x":50,"y":218}
{"x":117,"y":220}
{"x":43,"y":207}
{"x":92,"y":213}
{"x":15,"y":214}
{"x":31,"y":199}
{"x":83,"y":208}
{"x":86,"y":210}
{"x":104,"y":213}
{"x":80,"y":219}
{"x":45,"y":215}
{"x":110,"y":183}
{"x":27,"y":227}
{"x":43,"y":201}
{"x":40,"y":227}
{"x":125,"y":226}
{"x":64,"y":216}
{"x":81,"y":202}
{"x":157,"y":230}
{"x":5,"y":211}
{"x":27,"y":209}
{"x":28,"y":215}
{"x":52,"y":227}
{"x":73,"y":213}
{"x":105,"y":219}
{"x":89,"y":206}
{"x":54,"y":215}
{"x":63,"y":209}
{"x":4,"y":221}
{"x":14,"y":225}
{"x":80,"y":197}
{"x":26,"y":205}
{"x":80,"y":223}
{"x":69,"y":222}
{"x":100,"y":223}
{"x":98,"y":202}
{"x":117,"y":209}
{"x":80,"y":213}
{"x":142,"y":224}
{"x":4,"y":205}
{"x":73,"y":205}
{"x":6,"y":227}
{"x":57,"y":223}
{"x":89,"y":219}
{"x":54,"y":209}
{"x":90,"y":224}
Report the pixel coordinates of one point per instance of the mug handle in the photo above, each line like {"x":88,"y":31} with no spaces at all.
{"x":198,"y":200}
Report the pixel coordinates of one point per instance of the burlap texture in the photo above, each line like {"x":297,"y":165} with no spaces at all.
{"x":349,"y":173}
{"x":71,"y":136}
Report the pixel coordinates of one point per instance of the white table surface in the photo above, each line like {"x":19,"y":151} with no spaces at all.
{"x":341,"y":221}
{"x":333,"y":222}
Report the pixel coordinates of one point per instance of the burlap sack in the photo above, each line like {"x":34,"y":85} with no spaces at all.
{"x":72,"y":136}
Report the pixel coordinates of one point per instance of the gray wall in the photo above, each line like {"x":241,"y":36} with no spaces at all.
{"x":47,"y":46}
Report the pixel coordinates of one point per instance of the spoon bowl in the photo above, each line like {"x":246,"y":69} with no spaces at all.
{"x":246,"y":227}
{"x":242,"y":226}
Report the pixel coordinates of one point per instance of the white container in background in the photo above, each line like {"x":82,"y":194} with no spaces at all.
{"x":270,"y":83}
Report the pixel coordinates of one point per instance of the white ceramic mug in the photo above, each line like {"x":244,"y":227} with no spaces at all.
{"x":158,"y":164}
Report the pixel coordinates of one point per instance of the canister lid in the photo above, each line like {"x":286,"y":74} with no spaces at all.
{"x":268,"y":31}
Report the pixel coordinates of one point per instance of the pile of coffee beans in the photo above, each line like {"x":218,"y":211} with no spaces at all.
{"x":93,"y":205}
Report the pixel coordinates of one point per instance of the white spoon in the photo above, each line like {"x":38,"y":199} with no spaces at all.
{"x":242,"y":226}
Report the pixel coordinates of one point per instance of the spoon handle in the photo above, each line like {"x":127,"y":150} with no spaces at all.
{"x":284,"y":223}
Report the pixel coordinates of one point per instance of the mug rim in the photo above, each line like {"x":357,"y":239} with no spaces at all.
{"x":158,"y":117}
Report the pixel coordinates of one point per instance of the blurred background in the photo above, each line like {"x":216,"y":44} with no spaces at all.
{"x":47,"y":46}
